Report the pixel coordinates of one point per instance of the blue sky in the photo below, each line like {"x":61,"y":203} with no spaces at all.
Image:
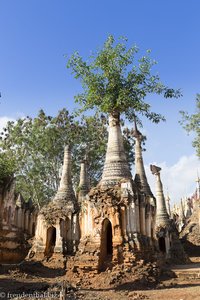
{"x":37,"y":34}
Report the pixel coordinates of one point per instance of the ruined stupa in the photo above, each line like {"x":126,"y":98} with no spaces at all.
{"x":17,"y":223}
{"x":117,"y":217}
{"x":83,"y":187}
{"x":57,"y":232}
{"x":140,"y":175}
{"x":147,"y":200}
{"x":167,"y":238}
{"x":167,"y":201}
{"x":115,"y":222}
{"x":190,"y":233}
{"x":163,"y":224}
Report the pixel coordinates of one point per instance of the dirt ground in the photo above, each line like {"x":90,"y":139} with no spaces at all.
{"x":37,"y":281}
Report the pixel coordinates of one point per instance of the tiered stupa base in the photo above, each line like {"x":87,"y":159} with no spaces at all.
{"x":105,"y":242}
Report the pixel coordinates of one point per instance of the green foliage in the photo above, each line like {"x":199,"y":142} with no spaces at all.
{"x":114,"y":80}
{"x":92,"y":142}
{"x":191,"y":123}
{"x":36,"y":145}
{"x":7,"y":166}
{"x":33,"y":150}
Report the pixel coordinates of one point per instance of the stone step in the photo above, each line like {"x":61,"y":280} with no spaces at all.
{"x":190,"y":271}
{"x":188,"y":275}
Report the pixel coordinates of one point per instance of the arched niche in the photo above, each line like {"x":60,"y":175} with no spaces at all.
{"x":162,"y":244}
{"x":33,"y":229}
{"x":9,"y":215}
{"x":50,"y":241}
{"x":106,"y":247}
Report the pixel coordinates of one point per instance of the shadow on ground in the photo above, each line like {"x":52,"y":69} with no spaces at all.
{"x":12,"y":286}
{"x":33,"y":269}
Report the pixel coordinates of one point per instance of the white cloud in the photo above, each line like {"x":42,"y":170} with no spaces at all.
{"x":4,"y":120}
{"x":178,"y":179}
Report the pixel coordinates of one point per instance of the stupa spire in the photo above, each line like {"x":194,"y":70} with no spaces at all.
{"x":84,"y":181}
{"x":116,"y":166}
{"x":162,"y":217}
{"x":198,"y":186}
{"x":182,"y":213}
{"x":20,"y":201}
{"x":168,"y":204}
{"x":139,"y":164}
{"x":65,"y":191}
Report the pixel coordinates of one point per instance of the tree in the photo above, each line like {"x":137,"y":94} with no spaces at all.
{"x":191,"y":123}
{"x":35,"y":146}
{"x":33,"y":150}
{"x":115,"y":82}
{"x":7,"y":167}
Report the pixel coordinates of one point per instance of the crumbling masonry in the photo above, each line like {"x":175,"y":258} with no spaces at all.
{"x":112,"y":223}
{"x":17,"y":223}
{"x":117,"y":222}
